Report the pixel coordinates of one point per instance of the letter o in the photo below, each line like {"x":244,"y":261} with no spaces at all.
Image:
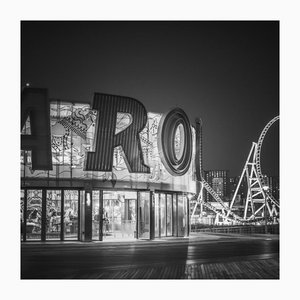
{"x":168,"y":125}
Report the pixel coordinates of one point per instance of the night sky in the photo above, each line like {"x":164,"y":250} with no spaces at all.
{"x":226,"y":73}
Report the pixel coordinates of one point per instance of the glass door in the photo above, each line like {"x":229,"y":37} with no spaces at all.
{"x":175,"y":216}
{"x":119,"y":214}
{"x":169,"y":215}
{"x":156,"y":215}
{"x":163,"y":227}
{"x":182,"y":215}
{"x":71,"y":214}
{"x":96,"y":215}
{"x":144,"y":215}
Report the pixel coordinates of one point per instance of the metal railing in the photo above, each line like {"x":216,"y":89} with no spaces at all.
{"x":245,"y":229}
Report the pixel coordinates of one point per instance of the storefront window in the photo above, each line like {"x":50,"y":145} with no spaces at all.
{"x":70,"y":214}
{"x":175,"y":225}
{"x":182,"y":215}
{"x":22,"y":214}
{"x":53,"y":214}
{"x":96,"y":214}
{"x":156,"y":215}
{"x":163,"y":215}
{"x":169,"y":215}
{"x":34,"y":215}
{"x":144,"y":215}
{"x":119,"y":214}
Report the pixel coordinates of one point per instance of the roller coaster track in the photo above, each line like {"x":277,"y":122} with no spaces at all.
{"x":258,"y":194}
{"x":255,"y":181}
{"x":258,"y":155}
{"x":233,"y":218}
{"x":219,"y":200}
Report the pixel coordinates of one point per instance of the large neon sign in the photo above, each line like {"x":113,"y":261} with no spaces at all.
{"x":176,"y":158}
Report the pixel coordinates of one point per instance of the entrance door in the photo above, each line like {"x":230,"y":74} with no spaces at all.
{"x":144,"y":215}
{"x":71,"y":214}
{"x":96,"y":215}
{"x":119,"y":214}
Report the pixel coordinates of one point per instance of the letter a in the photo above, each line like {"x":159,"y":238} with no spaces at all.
{"x":35,"y":104}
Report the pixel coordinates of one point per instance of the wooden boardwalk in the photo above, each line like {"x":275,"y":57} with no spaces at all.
{"x":207,"y":256}
{"x":252,"y":269}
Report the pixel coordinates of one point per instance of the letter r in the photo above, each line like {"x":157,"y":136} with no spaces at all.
{"x":106,"y":139}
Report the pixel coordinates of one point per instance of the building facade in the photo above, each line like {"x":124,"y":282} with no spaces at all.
{"x":241,"y":193}
{"x":217,"y":179}
{"x":74,"y":200}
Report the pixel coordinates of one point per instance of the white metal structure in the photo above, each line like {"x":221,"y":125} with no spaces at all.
{"x":258,"y":194}
{"x":224,"y":212}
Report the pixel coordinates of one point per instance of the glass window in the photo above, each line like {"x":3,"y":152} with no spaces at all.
{"x":144,"y":215}
{"x":34,"y":215}
{"x":53,"y":214}
{"x":182,"y":215}
{"x":96,"y":215}
{"x":156,"y":214}
{"x":179,"y":140}
{"x":175,"y":219}
{"x":163,"y":227}
{"x":22,"y":213}
{"x":169,"y":215}
{"x":185,"y":210}
{"x":70,"y":214}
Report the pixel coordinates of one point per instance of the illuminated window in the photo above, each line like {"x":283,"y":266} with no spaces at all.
{"x":179,"y":141}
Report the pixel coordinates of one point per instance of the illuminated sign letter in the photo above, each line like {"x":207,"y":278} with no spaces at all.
{"x":35,"y":105}
{"x":108,"y":106}
{"x":173,"y":126}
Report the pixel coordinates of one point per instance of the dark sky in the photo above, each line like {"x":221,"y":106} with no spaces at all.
{"x":226,"y":73}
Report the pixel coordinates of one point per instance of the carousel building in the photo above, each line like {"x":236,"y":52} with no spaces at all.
{"x":104,"y":171}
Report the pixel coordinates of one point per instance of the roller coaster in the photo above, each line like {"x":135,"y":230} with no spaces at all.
{"x":259,"y":205}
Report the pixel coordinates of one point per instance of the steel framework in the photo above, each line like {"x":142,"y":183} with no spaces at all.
{"x":259,"y":196}
{"x":259,"y":200}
